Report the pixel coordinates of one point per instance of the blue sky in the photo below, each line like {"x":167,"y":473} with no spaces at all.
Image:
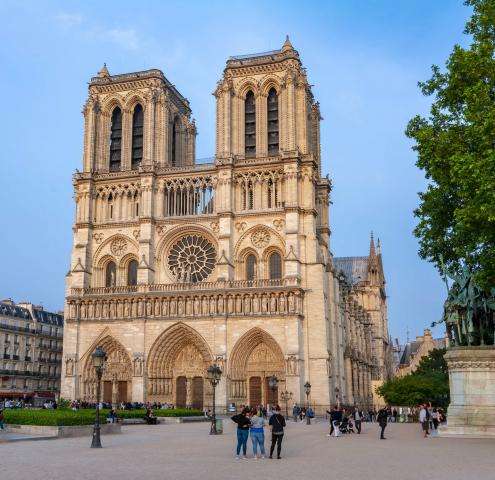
{"x":364,"y":59}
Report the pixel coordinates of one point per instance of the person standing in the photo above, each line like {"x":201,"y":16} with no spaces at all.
{"x":257,"y":433}
{"x":277,"y":424}
{"x":296,"y":410}
{"x":243,"y":424}
{"x":2,"y":420}
{"x":382,"y":418}
{"x":335,"y":419}
{"x":424,"y":420}
{"x":435,"y":421}
{"x":357,"y":420}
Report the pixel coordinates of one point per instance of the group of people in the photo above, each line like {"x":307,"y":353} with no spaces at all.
{"x":300,"y":413}
{"x":252,"y":421}
{"x":430,"y":417}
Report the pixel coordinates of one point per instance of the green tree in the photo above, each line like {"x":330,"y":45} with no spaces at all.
{"x":456,"y":149}
{"x":428,"y":383}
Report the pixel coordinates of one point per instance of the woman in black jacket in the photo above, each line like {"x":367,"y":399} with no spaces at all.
{"x":277,"y":424}
{"x":243,"y":424}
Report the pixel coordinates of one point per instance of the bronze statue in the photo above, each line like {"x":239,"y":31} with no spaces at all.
{"x":469,"y":311}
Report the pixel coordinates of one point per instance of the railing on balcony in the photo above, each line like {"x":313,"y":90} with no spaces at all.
{"x":183,"y":287}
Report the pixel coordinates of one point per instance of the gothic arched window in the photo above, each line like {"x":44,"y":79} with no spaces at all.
{"x":250,"y":267}
{"x":137,"y":136}
{"x":110,"y":274}
{"x":272,"y":118}
{"x":250,"y":125}
{"x":132,"y":269}
{"x":175,"y":137}
{"x":116,"y":140}
{"x":275,"y":266}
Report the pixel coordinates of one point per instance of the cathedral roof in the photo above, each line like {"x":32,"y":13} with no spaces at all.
{"x":286,"y":51}
{"x":355,"y":269}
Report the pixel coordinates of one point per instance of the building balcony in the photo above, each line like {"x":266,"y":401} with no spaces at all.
{"x":15,"y":328}
{"x":6,"y":356}
{"x":15,"y":357}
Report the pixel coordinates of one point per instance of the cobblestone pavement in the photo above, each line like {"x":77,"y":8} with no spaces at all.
{"x":186,"y":451}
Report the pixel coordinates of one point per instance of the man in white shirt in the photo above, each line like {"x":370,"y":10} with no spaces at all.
{"x":424,"y":420}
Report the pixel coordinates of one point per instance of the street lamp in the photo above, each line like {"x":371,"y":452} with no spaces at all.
{"x":307,"y":389}
{"x":99,"y":357}
{"x":213,"y":374}
{"x":286,"y":396}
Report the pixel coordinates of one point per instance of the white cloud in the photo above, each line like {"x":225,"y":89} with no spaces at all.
{"x":69,"y":20}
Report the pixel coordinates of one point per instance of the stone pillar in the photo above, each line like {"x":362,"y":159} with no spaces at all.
{"x":472,"y":392}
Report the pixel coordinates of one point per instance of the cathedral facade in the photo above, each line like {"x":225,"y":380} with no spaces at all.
{"x":176,"y":265}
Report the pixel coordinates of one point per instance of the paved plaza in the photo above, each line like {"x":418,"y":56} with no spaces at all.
{"x":186,"y":451}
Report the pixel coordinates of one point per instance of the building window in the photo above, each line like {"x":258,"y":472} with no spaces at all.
{"x":275,"y":266}
{"x":116,"y":140}
{"x":250,"y":125}
{"x":132,"y":269}
{"x":251,"y":267}
{"x":110,"y":274}
{"x":137,"y":136}
{"x":272,"y":117}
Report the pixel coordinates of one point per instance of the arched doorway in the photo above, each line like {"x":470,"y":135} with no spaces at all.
{"x":254,"y":359}
{"x":117,"y":374}
{"x":177,"y":366}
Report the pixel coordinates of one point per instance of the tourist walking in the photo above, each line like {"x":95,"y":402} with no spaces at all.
{"x":257,"y":433}
{"x":296,"y":410}
{"x":424,"y":420}
{"x":356,"y":416}
{"x":382,"y":418}
{"x":243,"y":424}
{"x":435,"y":419}
{"x":335,"y":419}
{"x":277,"y":424}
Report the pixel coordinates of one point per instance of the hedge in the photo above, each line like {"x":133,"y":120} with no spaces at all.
{"x":86,"y":416}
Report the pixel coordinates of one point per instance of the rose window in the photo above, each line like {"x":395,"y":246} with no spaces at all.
{"x":191,"y":259}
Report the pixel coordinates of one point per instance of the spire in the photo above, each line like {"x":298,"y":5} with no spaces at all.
{"x":379,"y":247}
{"x":287,"y":45}
{"x":104,"y":71}
{"x":372,"y":246}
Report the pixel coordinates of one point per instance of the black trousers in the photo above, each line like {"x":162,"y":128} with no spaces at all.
{"x":276,"y":439}
{"x":358,"y":425}
{"x":383,"y":426}
{"x":332,"y":428}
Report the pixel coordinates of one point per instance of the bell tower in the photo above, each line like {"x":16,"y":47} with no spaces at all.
{"x":265,"y":107}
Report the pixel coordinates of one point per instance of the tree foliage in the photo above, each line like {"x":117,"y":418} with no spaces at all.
{"x":428,"y":383}
{"x":456,"y":150}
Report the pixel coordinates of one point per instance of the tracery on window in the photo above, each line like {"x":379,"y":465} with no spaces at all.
{"x":191,"y":259}
{"x":137,"y":136}
{"x":115,"y":140}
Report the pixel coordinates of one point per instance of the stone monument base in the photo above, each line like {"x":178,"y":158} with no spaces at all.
{"x":472,"y":392}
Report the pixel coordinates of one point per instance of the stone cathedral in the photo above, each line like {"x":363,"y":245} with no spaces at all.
{"x":176,"y":265}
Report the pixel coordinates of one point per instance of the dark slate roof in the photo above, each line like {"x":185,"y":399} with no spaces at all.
{"x":410,"y":349}
{"x":49,"y":318}
{"x":10,"y":310}
{"x":355,"y":269}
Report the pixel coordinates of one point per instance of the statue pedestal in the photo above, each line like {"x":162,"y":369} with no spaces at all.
{"x":472,"y":392}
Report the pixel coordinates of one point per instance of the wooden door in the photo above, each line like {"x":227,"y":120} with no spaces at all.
{"x":271,"y":394}
{"x":255,"y":391}
{"x":122,"y":392}
{"x":197,"y":393}
{"x":107,"y":392}
{"x":181,"y":392}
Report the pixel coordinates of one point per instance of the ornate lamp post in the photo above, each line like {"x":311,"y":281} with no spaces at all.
{"x":286,"y":396}
{"x":213,"y":374}
{"x":99,"y":357}
{"x":307,"y":389}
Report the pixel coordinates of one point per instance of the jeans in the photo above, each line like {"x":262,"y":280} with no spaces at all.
{"x":242,"y":437}
{"x":258,"y":438}
{"x":276,"y":439}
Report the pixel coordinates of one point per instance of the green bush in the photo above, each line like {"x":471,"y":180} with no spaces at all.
{"x":83,"y":416}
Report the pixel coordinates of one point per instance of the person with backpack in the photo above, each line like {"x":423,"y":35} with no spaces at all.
{"x":382,"y":418}
{"x":277,"y":424}
{"x":243,"y":424}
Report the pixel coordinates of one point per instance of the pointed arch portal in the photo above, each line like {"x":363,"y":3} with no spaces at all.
{"x":177,"y":366}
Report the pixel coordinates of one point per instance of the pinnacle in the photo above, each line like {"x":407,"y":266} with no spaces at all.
{"x":287,"y":45}
{"x":104,"y":71}
{"x":372,"y":246}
